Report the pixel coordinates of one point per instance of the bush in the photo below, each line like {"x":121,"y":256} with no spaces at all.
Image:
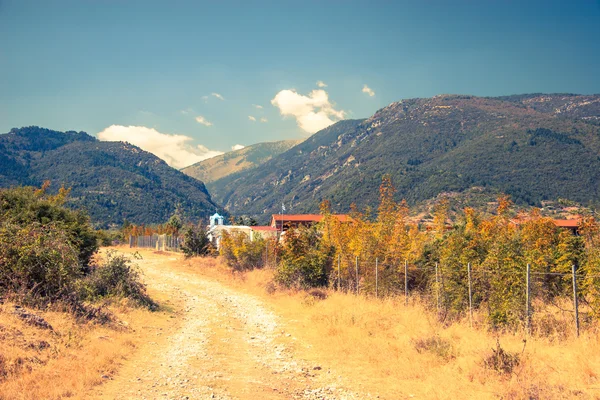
{"x":26,"y":205}
{"x":241,"y":253}
{"x":117,"y":277}
{"x":109,"y":238}
{"x":196,"y":243}
{"x":436,"y":345}
{"x":305,"y":259}
{"x":37,"y":261}
{"x":502,"y":361}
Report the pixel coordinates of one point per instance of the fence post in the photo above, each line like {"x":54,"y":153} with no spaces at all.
{"x":405,"y":282}
{"x":575,"y":300}
{"x":356,"y":268}
{"x":339,"y":276}
{"x":376,"y":278}
{"x":437,"y":290}
{"x":470,"y":296}
{"x":528,"y":299}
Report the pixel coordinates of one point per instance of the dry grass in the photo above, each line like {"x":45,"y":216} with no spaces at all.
{"x":400,"y":351}
{"x":68,"y":361}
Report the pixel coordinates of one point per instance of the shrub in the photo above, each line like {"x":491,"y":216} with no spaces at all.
{"x":196,"y":243}
{"x":241,"y":253}
{"x":117,"y":277}
{"x":305,"y":259}
{"x":37,"y":261}
{"x":436,"y":345}
{"x":502,"y":361}
{"x":26,"y":205}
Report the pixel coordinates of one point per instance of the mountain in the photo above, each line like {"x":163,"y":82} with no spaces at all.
{"x":238,"y":160}
{"x":113,"y":181}
{"x":533,"y":147}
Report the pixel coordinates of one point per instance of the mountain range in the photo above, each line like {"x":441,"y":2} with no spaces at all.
{"x":534,"y":147}
{"x":239,"y":160}
{"x":113,"y":181}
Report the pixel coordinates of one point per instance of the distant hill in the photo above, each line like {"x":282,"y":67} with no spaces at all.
{"x":238,"y":160}
{"x":112,"y":180}
{"x":533,"y":147}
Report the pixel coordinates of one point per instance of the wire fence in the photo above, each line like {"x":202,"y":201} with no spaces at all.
{"x":157,"y":242}
{"x":456,"y":291}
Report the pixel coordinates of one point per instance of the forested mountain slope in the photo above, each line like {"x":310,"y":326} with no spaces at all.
{"x":112,"y":180}
{"x":533,"y":147}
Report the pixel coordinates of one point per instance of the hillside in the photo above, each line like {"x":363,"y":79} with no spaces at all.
{"x":112,"y":180}
{"x":231,"y":162}
{"x":533,"y":147}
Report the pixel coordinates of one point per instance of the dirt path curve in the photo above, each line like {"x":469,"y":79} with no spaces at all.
{"x":222,"y":344}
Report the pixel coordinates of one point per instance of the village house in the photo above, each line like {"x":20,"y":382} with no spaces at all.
{"x":216,"y":228}
{"x":283,"y":222}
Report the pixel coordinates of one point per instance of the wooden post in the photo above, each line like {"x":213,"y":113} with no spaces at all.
{"x":575,"y":300}
{"x":470,"y":296}
{"x":376,"y":278}
{"x":528,"y":299}
{"x":356,"y":269}
{"x":130,"y":241}
{"x":339,"y":276}
{"x":405,"y":282}
{"x":437,"y":290}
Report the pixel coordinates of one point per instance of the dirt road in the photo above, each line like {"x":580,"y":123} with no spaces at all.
{"x":219,"y":344}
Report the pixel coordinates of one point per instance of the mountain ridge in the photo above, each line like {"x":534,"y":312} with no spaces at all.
{"x":113,"y":181}
{"x":234,"y":161}
{"x":525,"y":145}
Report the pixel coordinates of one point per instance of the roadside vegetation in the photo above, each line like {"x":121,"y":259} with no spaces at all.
{"x":472,"y":263}
{"x":56,"y":293}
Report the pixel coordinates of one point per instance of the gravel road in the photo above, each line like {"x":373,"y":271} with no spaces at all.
{"x":222,"y":344}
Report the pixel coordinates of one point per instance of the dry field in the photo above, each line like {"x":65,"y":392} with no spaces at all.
{"x":220,"y":335}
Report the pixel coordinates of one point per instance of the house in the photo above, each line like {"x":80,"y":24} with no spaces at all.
{"x":283,"y":222}
{"x":266,"y":232}
{"x":571,"y":224}
{"x":216,"y":228}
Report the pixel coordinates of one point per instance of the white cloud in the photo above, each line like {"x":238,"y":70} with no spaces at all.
{"x":263,"y":120}
{"x":218,"y":96}
{"x":321,"y":84}
{"x":251,"y":118}
{"x":205,"y":98}
{"x":201,"y":120}
{"x":257,"y":106}
{"x":175,"y":150}
{"x":313,"y":112}
{"x":368,"y":91}
{"x":237,"y":147}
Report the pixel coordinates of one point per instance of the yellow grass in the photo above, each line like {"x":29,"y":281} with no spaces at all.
{"x":373,"y":343}
{"x":68,"y":361}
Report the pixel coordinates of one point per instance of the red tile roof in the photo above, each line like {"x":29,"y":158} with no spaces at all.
{"x":566,"y":223}
{"x":308,"y":217}
{"x":264,"y":228}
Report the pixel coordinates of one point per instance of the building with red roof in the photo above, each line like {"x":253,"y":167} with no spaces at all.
{"x":287,"y":221}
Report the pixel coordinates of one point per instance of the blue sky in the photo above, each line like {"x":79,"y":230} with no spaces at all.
{"x":155,"y":65}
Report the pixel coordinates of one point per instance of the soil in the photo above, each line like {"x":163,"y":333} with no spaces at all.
{"x":216,"y":342}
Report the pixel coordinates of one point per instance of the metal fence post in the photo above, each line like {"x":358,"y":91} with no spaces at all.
{"x":528,"y":299}
{"x":356,"y":269}
{"x":575,"y":300}
{"x":437,"y":289}
{"x":470,"y":296}
{"x":376,"y":278}
{"x":405,"y":282}
{"x":339,"y":277}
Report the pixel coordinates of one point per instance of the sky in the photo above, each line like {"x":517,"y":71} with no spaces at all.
{"x":192,"y":79}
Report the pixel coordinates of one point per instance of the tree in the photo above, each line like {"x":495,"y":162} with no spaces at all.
{"x":196,"y":242}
